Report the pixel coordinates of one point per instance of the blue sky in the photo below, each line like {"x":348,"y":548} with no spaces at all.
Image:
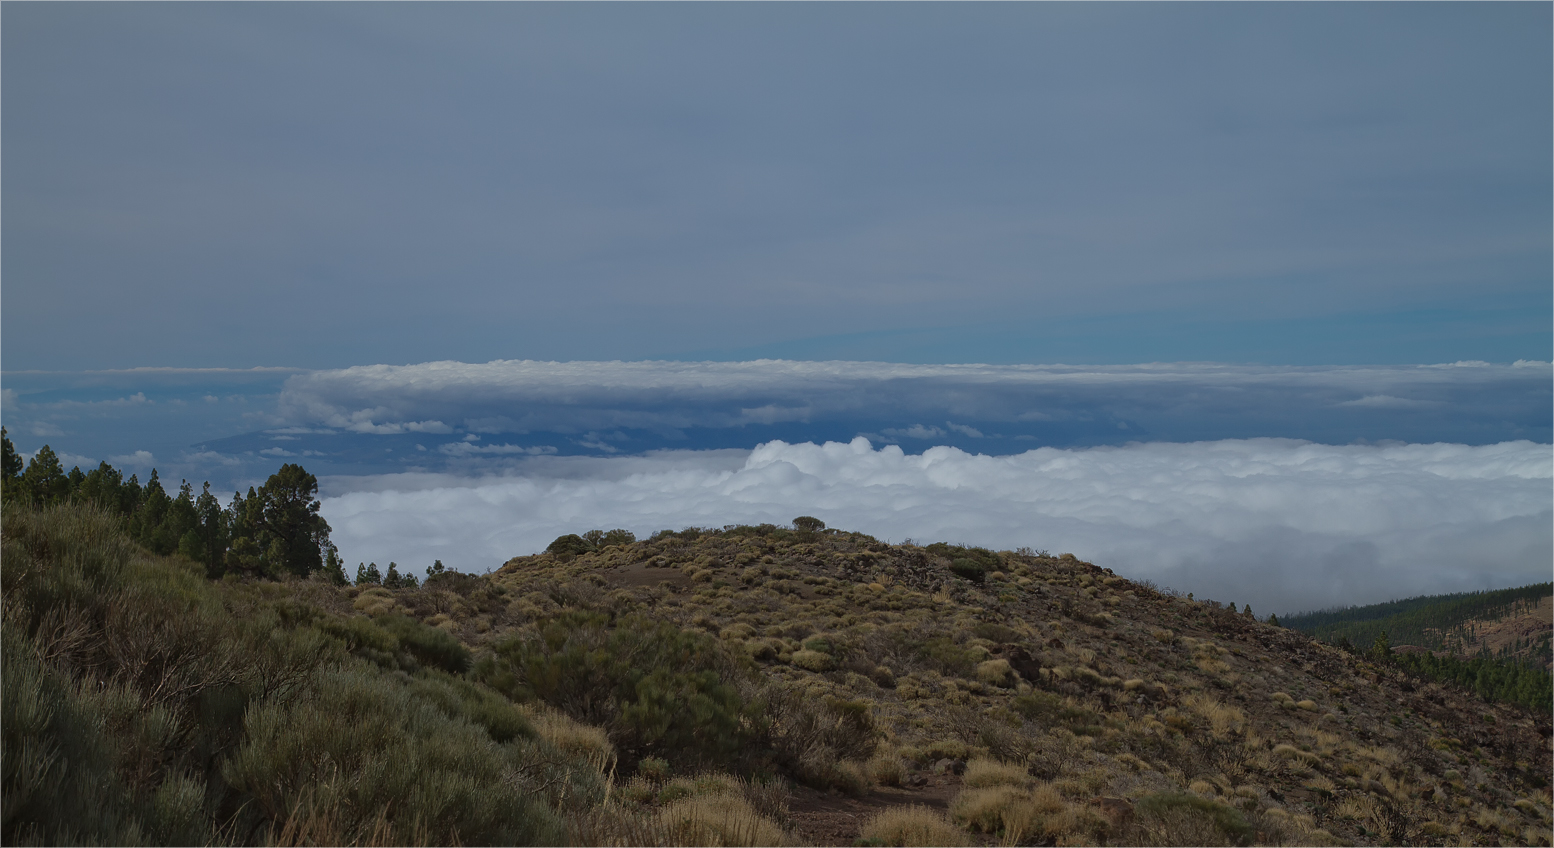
{"x":1248,"y":298}
{"x":325,"y":185}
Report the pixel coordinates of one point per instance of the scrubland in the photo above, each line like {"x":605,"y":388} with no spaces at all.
{"x":740,"y":686}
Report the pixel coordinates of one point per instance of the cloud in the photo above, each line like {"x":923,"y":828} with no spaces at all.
{"x":1473,"y":403}
{"x":470,"y":449}
{"x":964,"y":429}
{"x":1390,"y":402}
{"x":916,"y":431}
{"x":1280,"y":524}
{"x":138,"y":459}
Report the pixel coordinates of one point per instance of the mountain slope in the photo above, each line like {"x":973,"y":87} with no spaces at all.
{"x":744,"y":686}
{"x":1089,"y":683}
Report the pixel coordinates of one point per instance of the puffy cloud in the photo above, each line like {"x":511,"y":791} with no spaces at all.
{"x":1281,"y":524}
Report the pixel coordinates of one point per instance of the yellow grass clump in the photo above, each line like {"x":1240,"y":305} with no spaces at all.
{"x":718,"y":819}
{"x":573,"y":737}
{"x":913,"y":826}
{"x":983,"y":772}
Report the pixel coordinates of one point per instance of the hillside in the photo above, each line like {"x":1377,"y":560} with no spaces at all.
{"x":1510,"y":624}
{"x":749,"y":685}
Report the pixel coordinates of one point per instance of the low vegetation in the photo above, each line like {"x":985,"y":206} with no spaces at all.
{"x":730,"y":686}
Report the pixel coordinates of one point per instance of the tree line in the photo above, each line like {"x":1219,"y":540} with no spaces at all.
{"x":1440,"y":622}
{"x":273,"y":531}
{"x":1491,"y":678}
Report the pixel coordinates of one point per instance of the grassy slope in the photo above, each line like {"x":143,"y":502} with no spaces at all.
{"x":1139,"y":692}
{"x":145,"y":704}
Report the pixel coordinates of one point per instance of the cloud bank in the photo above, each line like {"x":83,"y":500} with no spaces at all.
{"x":1281,"y":524}
{"x":1472,"y":403}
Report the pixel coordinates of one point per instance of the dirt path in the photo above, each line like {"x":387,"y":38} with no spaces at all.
{"x":829,"y":818}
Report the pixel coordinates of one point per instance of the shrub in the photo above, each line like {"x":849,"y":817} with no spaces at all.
{"x":944,"y":656}
{"x":1175,"y":818}
{"x":813,"y":660}
{"x":720,"y":819}
{"x":970,"y":569}
{"x":886,"y":769}
{"x":912,"y":826}
{"x":657,"y":690}
{"x":982,"y":772}
{"x":809,"y":739}
{"x":983,"y":809}
{"x":568,"y":545}
{"x":995,"y":673}
{"x":655,"y":769}
{"x":808,"y":524}
{"x":429,"y":645}
{"x":360,"y":745}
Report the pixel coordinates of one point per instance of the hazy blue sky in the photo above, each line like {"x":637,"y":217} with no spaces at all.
{"x":324,"y":185}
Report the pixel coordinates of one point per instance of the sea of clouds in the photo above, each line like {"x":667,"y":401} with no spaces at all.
{"x":1284,"y":525}
{"x":1287,"y":487}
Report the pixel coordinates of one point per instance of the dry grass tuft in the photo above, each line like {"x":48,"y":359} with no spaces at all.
{"x":718,"y":819}
{"x":983,"y":772}
{"x":913,"y":826}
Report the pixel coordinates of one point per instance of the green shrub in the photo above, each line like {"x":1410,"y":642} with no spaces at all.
{"x":1178,"y":818}
{"x":429,"y":645}
{"x":944,"y":656}
{"x":969,"y":569}
{"x":658,"y":690}
{"x":369,"y":753}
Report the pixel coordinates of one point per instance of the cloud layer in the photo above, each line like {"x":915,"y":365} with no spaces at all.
{"x":1281,"y":524}
{"x":1058,"y":404}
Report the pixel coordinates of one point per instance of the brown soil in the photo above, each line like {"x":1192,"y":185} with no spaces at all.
{"x":639,"y":574}
{"x":830,"y":818}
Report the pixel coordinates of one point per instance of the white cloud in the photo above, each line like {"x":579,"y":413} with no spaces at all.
{"x":512,"y":396}
{"x":964,"y":429}
{"x":211,"y":458}
{"x":1389,"y":402}
{"x":471,"y":449}
{"x":138,"y":459}
{"x":1280,"y":524}
{"x":45,"y":429}
{"x":916,"y":431}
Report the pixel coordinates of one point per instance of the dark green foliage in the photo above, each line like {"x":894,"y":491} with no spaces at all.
{"x":808,"y":524}
{"x":943,"y":655}
{"x":1438,"y":622}
{"x":658,"y":690}
{"x":275,"y":530}
{"x":601,"y":539}
{"x":144,"y":703}
{"x":1443,"y":623}
{"x":394,"y":580}
{"x":569,"y":545}
{"x":427,"y":644}
{"x":361,"y":742}
{"x":10,"y":463}
{"x":968,"y":568}
{"x":1491,"y":679}
{"x":368,"y":575}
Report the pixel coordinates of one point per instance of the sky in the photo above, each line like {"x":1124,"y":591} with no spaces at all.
{"x":440,"y":253}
